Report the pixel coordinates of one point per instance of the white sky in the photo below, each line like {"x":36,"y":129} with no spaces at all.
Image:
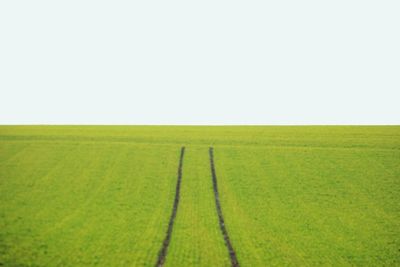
{"x":200,"y":62}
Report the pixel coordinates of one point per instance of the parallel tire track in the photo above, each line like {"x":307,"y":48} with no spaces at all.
{"x":163,"y":251}
{"x":232,"y":253}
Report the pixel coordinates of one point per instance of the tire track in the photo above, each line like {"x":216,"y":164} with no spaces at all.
{"x":232,"y":253}
{"x":164,"y":249}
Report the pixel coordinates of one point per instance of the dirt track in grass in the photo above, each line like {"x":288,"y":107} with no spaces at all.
{"x":164,"y":249}
{"x":232,"y":253}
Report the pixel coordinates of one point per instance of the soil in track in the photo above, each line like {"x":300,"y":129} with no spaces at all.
{"x":164,"y":249}
{"x":227,"y":240}
{"x":196,"y":239}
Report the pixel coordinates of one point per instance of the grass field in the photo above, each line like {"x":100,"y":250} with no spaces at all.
{"x":292,"y":196}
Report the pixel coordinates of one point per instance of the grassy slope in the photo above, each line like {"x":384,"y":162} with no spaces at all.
{"x":84,"y":204}
{"x":297,"y":195}
{"x":312,"y":136}
{"x":301,"y":206}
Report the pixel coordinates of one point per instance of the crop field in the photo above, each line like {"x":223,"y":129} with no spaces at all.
{"x":199,"y":196}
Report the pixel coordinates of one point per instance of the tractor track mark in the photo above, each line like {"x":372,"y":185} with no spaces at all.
{"x":164,"y":249}
{"x":232,"y":253}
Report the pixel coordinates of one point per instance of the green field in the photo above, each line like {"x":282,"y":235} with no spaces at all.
{"x":290,"y":196}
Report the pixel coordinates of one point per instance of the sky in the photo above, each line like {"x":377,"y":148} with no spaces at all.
{"x":200,"y":62}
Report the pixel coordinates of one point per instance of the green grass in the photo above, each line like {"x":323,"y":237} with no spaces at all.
{"x":304,"y":206}
{"x":102,"y":195}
